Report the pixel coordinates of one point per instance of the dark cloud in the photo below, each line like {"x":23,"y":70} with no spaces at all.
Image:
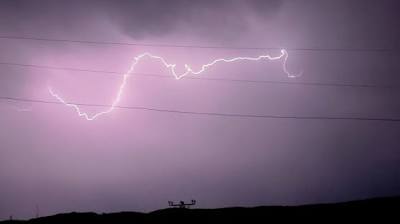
{"x":157,"y":17}
{"x":138,"y":19}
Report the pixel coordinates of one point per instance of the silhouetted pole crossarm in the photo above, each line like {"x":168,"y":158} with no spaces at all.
{"x":181,"y":204}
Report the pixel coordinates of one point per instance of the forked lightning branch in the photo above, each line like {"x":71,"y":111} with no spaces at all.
{"x":283,"y":56}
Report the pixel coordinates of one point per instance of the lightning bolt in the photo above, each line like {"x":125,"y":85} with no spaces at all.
{"x":171,"y":67}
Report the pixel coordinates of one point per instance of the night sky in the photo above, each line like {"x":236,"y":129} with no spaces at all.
{"x":53,"y":161}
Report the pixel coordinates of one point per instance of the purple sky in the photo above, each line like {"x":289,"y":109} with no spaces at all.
{"x":138,"y":160}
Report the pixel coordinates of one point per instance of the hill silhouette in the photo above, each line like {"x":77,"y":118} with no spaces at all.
{"x":376,"y":210}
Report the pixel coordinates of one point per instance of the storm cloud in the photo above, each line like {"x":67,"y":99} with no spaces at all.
{"x":139,"y":18}
{"x":138,"y":160}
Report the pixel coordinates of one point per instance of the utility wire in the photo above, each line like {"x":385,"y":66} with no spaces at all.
{"x":115,"y":73}
{"x":215,"y":79}
{"x":195,"y":46}
{"x":237,"y":115}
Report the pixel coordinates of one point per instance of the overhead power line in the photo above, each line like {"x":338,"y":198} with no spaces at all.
{"x":115,"y":73}
{"x":194,"y":46}
{"x":216,"y":114}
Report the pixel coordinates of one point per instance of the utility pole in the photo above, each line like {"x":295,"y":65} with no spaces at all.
{"x":37,"y":211}
{"x":181,"y":204}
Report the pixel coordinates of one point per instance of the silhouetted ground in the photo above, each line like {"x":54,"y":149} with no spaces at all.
{"x":381,"y":210}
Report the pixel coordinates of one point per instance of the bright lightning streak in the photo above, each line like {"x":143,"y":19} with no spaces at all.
{"x":284,"y":56}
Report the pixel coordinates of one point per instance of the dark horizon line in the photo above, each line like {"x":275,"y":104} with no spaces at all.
{"x":307,"y":205}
